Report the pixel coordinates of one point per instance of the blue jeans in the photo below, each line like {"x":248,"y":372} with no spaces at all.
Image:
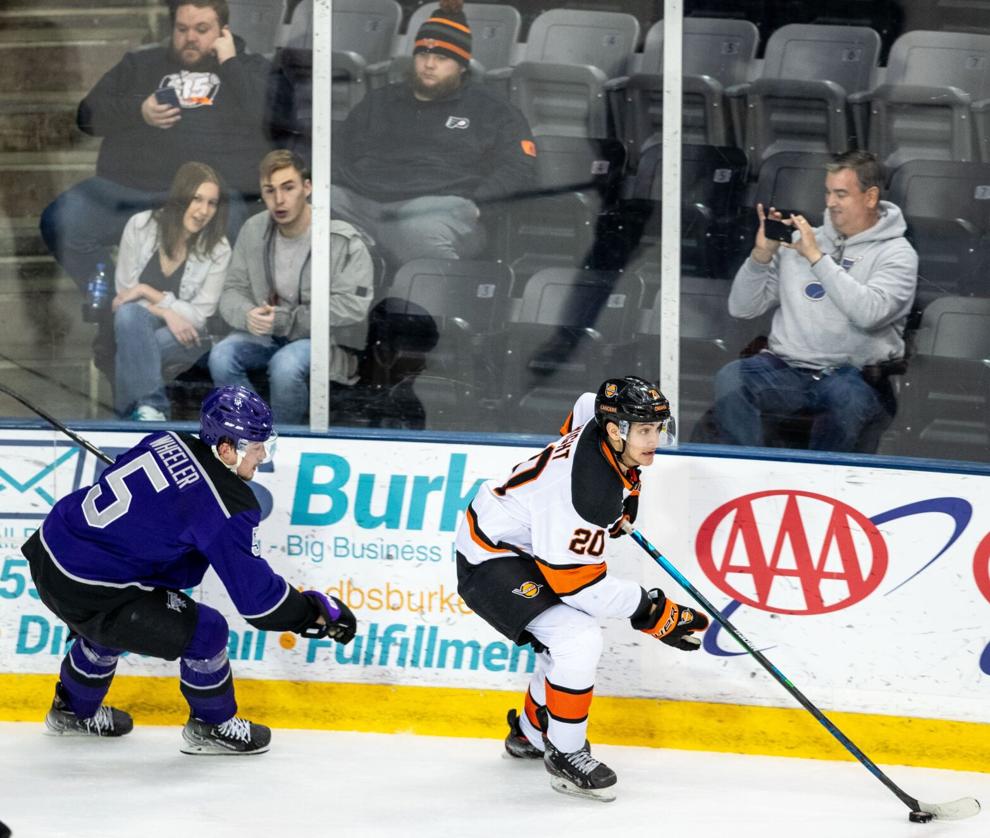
{"x":148,"y":355}
{"x":81,"y":225}
{"x":287,"y":363}
{"x":430,"y":227}
{"x":842,"y":403}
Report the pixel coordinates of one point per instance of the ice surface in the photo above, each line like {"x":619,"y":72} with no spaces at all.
{"x":336,"y":785}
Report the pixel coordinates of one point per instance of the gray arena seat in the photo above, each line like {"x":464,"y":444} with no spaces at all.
{"x":710,"y":338}
{"x":798,"y":103}
{"x":602,"y":39}
{"x":367,"y":27}
{"x":947,"y":208}
{"x":257,"y":22}
{"x":789,"y":180}
{"x":923,"y":109}
{"x":569,"y":328}
{"x":464,"y":304}
{"x":717,"y":53}
{"x":945,"y":398}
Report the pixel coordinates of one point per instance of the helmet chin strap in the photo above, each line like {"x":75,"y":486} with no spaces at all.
{"x":623,"y":427}
{"x":236,"y":465}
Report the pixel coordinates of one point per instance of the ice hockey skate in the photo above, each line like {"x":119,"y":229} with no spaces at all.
{"x":579,"y":774}
{"x":234,"y":737}
{"x":516,"y":743}
{"x":106,"y":721}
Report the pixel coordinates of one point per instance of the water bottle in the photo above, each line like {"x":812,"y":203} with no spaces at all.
{"x":97,"y":295}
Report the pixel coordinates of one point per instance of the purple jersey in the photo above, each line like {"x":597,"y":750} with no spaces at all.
{"x":163,"y":513}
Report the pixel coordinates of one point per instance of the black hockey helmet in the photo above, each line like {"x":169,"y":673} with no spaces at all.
{"x":632,"y":399}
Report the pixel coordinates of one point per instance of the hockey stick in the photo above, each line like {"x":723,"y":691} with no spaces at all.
{"x":51,"y":420}
{"x":921,"y":812}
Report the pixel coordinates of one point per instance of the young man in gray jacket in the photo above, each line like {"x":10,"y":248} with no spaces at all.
{"x":842,"y":293}
{"x":266,"y":295}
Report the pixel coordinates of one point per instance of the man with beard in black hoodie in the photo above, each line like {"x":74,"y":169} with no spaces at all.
{"x":415,"y":161}
{"x":198,"y":97}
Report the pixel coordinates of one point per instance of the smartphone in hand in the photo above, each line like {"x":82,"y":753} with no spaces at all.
{"x":167,"y":96}
{"x":777,"y":230}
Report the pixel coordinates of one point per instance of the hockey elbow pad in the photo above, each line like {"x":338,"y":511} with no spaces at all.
{"x":339,"y":621}
{"x":630,"y":507}
{"x":669,"y":622}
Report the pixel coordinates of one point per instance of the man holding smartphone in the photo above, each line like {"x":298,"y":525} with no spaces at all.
{"x":198,"y":97}
{"x":841,"y":294}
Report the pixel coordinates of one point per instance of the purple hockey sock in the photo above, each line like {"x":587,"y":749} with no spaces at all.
{"x":204,"y":671}
{"x":86,"y":673}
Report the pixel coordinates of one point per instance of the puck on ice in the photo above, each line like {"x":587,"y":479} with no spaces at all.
{"x":920,"y":817}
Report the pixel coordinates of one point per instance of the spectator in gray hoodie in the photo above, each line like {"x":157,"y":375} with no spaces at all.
{"x":266,"y":294}
{"x":841,"y":293}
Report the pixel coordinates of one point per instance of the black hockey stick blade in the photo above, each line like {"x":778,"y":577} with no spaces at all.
{"x":51,"y":420}
{"x":965,"y":807}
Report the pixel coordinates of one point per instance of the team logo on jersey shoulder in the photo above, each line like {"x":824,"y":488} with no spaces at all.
{"x":174,"y":602}
{"x":255,"y":542}
{"x":528,"y":590}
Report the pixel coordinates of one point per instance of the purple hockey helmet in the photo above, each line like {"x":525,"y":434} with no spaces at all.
{"x":238,"y":414}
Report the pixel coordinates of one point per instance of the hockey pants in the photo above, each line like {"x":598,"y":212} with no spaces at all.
{"x":564,"y":676}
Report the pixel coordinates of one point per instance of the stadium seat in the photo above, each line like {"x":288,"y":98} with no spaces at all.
{"x":367,"y":27}
{"x":798,"y":103}
{"x":557,"y":225}
{"x":712,"y":182}
{"x":258,"y":22}
{"x":947,"y":208}
{"x":569,"y":328}
{"x":602,"y":39}
{"x":709,"y":339}
{"x":348,"y":84}
{"x":717,"y":53}
{"x":789,"y":180}
{"x":435,"y":339}
{"x":295,"y":61}
{"x":945,"y":403}
{"x":923,"y":111}
{"x":578,"y":167}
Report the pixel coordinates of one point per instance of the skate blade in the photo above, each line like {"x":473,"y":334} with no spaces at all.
{"x":57,"y":730}
{"x":605,"y":795}
{"x":536,"y":759}
{"x":214,"y":751}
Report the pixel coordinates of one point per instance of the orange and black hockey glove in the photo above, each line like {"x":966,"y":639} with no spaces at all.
{"x":669,"y":622}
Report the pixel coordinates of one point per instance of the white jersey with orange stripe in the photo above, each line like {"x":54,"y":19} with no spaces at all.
{"x":557,"y":508}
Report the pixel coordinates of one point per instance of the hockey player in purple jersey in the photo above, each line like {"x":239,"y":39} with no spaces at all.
{"x":112,"y":560}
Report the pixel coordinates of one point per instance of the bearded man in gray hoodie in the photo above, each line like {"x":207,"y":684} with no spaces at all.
{"x":841,"y":293}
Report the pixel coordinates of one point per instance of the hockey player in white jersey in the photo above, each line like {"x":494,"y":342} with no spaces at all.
{"x":530,"y":561}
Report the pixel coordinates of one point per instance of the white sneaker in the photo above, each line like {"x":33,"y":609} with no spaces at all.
{"x":147,"y":413}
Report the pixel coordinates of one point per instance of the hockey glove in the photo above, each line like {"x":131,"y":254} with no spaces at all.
{"x":630,"y":506}
{"x":339,"y":621}
{"x":669,"y":622}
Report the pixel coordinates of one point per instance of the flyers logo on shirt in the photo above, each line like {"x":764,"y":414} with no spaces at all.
{"x":461,"y":122}
{"x":196,"y":90}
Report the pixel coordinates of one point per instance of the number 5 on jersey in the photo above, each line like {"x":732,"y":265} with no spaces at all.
{"x":122,"y":495}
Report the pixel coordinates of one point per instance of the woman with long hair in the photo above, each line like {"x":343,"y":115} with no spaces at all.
{"x":170,"y":271}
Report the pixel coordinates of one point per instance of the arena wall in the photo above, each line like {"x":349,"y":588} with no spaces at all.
{"x":867,"y":586}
